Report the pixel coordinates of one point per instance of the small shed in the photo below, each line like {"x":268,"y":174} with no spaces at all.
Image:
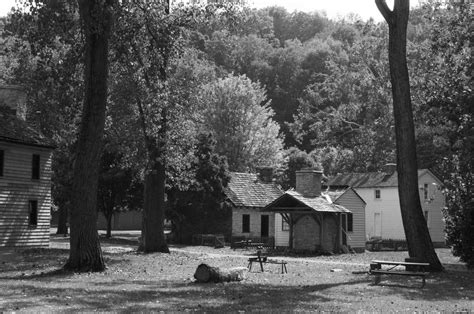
{"x":315,"y":223}
{"x":25,"y":175}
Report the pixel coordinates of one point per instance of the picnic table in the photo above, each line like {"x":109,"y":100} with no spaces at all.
{"x":379,"y":268}
{"x":265,"y":260}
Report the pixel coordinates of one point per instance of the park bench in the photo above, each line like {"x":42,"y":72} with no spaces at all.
{"x":411,"y":269}
{"x":265,"y":260}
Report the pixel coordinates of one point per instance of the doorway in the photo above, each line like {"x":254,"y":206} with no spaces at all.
{"x":264,"y":226}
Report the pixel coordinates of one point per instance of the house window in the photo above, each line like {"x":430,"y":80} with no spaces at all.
{"x":425,"y":191}
{"x":284,"y":225}
{"x":2,"y":157}
{"x":35,"y":167}
{"x":377,"y":194}
{"x":425,"y":213}
{"x":350,"y":223}
{"x":245,"y":223}
{"x":33,"y":213}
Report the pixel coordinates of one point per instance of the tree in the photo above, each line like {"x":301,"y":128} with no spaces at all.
{"x":198,"y":207}
{"x":418,"y":237}
{"x":295,"y":159}
{"x":119,"y":186}
{"x":237,"y":112}
{"x":85,"y":251}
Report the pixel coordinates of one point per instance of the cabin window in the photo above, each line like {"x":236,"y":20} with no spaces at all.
{"x":245,"y":223}
{"x":2,"y":158}
{"x":33,"y":213}
{"x":377,"y":194}
{"x":350,"y":223}
{"x":425,"y":191}
{"x":35,"y":173}
{"x":284,"y":225}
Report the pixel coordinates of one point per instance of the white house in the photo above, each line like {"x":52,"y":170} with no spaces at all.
{"x":25,"y":175}
{"x":383,"y":216}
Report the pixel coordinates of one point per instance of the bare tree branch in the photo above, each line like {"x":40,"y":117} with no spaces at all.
{"x":386,"y":12}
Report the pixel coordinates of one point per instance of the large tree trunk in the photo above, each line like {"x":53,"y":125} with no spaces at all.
{"x":62,"y":221}
{"x":420,"y":246}
{"x":153,"y":236}
{"x":85,"y":251}
{"x":205,"y":273}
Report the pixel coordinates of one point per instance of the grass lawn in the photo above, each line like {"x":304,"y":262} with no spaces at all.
{"x":32,"y":281}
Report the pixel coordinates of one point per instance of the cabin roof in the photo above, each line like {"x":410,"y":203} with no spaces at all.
{"x":245,"y":189}
{"x":369,"y":179}
{"x":16,"y":130}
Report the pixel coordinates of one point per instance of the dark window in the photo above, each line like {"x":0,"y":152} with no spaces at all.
{"x":2,"y":157}
{"x":33,"y":213}
{"x":425,"y":191}
{"x":35,"y":173}
{"x":377,"y":193}
{"x":350,"y":223}
{"x":245,"y":223}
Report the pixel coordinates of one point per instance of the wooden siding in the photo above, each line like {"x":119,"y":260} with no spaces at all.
{"x":282,"y":237}
{"x":433,"y":205}
{"x":17,"y":188}
{"x":356,"y":238}
{"x":255,"y":222}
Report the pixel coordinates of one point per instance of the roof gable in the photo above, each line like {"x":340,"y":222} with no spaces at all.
{"x":244,"y":189}
{"x":335,"y":195}
{"x":317,"y":204}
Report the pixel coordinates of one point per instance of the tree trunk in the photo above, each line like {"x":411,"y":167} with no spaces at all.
{"x":420,"y":246}
{"x":153,"y":236}
{"x":205,"y":273}
{"x":85,"y":251}
{"x":62,"y":221}
{"x":108,"y":217}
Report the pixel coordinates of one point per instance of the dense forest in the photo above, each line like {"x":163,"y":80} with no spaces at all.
{"x":236,"y":88}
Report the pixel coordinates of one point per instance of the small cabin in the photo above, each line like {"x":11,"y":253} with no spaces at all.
{"x":25,"y":175}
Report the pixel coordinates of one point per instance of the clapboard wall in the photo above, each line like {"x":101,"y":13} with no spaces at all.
{"x":18,"y":193}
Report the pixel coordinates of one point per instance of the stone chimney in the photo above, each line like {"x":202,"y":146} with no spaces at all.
{"x":13,"y":100}
{"x":265,"y":174}
{"x":308,"y":182}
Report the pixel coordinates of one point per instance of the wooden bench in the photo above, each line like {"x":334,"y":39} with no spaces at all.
{"x":265,"y":260}
{"x":411,"y":269}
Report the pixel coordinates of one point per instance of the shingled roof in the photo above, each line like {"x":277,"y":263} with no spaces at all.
{"x":291,"y":198}
{"x":367,"y":180}
{"x":245,"y":189}
{"x":16,"y":130}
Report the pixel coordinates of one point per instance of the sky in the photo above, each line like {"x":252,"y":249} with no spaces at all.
{"x":333,"y":8}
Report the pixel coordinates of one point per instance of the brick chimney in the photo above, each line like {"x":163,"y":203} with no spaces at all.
{"x":308,"y":182}
{"x":13,"y":100}
{"x":265,"y":174}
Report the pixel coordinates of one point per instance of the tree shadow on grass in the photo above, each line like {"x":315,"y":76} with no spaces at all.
{"x":131,"y":296}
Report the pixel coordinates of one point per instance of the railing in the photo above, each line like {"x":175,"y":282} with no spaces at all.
{"x":246,"y":242}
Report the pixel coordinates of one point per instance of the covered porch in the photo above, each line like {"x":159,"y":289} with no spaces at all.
{"x":315,"y":224}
